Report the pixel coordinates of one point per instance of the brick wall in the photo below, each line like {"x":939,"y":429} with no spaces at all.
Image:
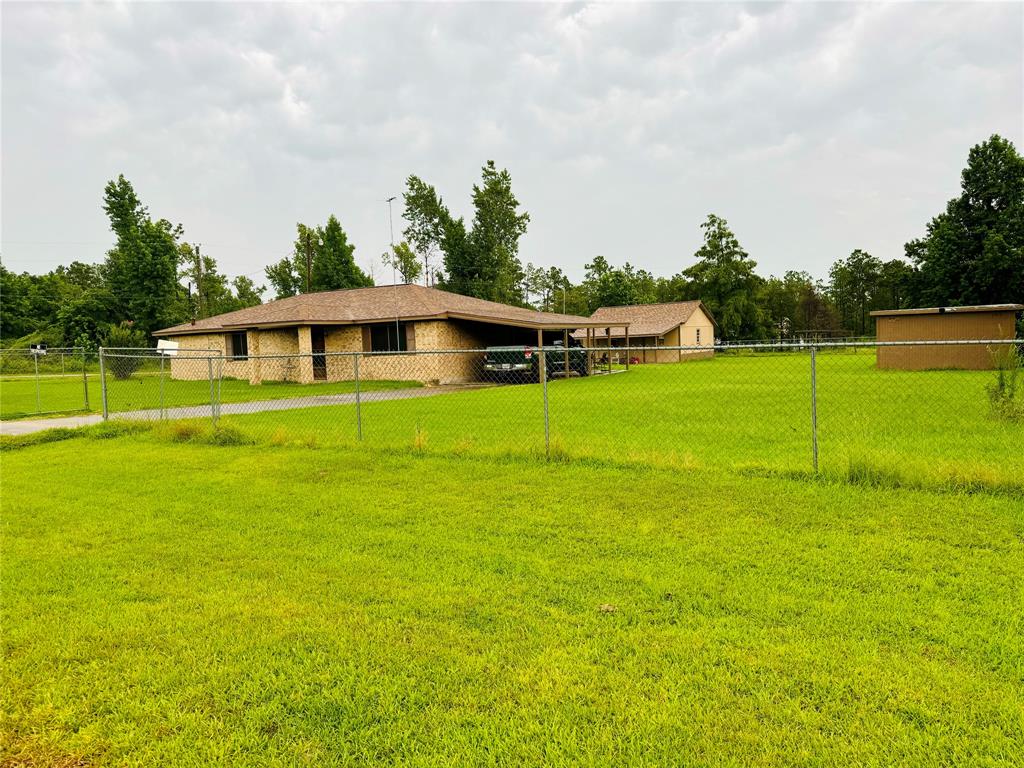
{"x":429,"y":368}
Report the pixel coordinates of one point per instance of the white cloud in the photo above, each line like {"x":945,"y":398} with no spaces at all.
{"x":815,"y":128}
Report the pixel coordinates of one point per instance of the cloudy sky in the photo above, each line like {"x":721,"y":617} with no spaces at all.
{"x":814,"y":128}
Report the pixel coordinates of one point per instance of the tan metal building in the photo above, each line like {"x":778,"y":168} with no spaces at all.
{"x":291,"y":339}
{"x":991,"y":321}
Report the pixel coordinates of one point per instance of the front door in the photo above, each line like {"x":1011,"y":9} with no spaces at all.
{"x":319,"y":358}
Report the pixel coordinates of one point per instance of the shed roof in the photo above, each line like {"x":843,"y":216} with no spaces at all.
{"x":646,"y":319}
{"x":950,"y":310}
{"x":354,"y":306}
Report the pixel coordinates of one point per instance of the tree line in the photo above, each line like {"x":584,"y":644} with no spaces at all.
{"x":971,"y":253}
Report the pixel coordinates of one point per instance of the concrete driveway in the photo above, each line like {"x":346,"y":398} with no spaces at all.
{"x":27,"y":426}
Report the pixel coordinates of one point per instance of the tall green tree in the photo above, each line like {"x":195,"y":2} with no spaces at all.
{"x":329,"y":256}
{"x":896,"y":281}
{"x":973,"y":252}
{"x":285,"y":278}
{"x":796,"y":306}
{"x":854,"y":283}
{"x":334,"y":265}
{"x":482,"y":261}
{"x":141,"y":270}
{"x":208,"y":288}
{"x":405,"y":262}
{"x":724,"y":279}
{"x":246,"y":292}
{"x":608,"y":286}
{"x":210,"y":291}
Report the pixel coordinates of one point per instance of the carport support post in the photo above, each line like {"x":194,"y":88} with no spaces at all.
{"x":103,"y":385}
{"x":542,"y":368}
{"x":359,"y":412}
{"x":627,"y":347}
{"x":814,"y":406}
{"x":565,"y":352}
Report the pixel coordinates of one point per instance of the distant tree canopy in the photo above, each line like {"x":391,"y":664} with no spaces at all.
{"x":797,"y":306}
{"x":329,"y":254}
{"x":149,"y":279}
{"x":973,"y":252}
{"x":482,"y":261}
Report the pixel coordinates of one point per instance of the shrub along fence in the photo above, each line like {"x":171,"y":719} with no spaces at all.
{"x":787,"y":407}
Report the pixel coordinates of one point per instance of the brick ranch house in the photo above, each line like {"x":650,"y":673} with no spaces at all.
{"x":650,"y":326}
{"x":258,"y":341}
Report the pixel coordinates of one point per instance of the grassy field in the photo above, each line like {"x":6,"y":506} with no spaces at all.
{"x":281,"y":605}
{"x":66,"y":394}
{"x":735,"y":411}
{"x":732,"y":411}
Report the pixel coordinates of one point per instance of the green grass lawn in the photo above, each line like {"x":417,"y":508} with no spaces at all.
{"x":187,"y":604}
{"x":66,"y":394}
{"x":736,"y":411}
{"x":731,"y":411}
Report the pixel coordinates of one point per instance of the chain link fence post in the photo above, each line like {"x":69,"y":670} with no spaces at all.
{"x":814,"y":405}
{"x":35,"y":359}
{"x":543,"y":363}
{"x":359,"y":412}
{"x":85,"y":377}
{"x":163,"y":414}
{"x":220,"y":384}
{"x":103,"y":385}
{"x":213,"y":403}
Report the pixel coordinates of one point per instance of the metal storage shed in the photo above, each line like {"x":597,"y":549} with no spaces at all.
{"x":991,"y":321}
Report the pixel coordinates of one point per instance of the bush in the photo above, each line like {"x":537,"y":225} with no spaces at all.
{"x":126,"y":337}
{"x":1003,"y":393}
{"x":227,"y":435}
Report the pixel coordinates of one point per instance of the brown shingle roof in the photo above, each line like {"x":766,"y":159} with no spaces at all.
{"x":378,"y":304}
{"x":646,"y":319}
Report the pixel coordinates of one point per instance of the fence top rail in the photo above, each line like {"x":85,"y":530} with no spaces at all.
{"x":212,"y":354}
{"x":153,"y":352}
{"x":27,"y":351}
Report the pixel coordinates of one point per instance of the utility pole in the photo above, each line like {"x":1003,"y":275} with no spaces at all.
{"x":394,"y":271}
{"x":309,"y":262}
{"x":199,"y":280}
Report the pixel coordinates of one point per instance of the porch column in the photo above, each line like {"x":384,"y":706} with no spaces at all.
{"x":626,"y":327}
{"x":252,"y":340}
{"x":306,"y":354}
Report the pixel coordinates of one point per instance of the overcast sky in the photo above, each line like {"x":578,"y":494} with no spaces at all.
{"x":813,"y":129}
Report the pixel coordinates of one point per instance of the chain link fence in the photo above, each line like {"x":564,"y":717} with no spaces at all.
{"x":849,"y":406}
{"x":37,"y":382}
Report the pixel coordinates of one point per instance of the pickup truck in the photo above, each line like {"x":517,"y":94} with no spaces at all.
{"x":518,"y":364}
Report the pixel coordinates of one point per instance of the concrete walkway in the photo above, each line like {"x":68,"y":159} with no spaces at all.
{"x":27,"y":426}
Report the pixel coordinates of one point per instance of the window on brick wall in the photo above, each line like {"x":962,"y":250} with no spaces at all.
{"x":386,"y":337}
{"x":238,"y":346}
